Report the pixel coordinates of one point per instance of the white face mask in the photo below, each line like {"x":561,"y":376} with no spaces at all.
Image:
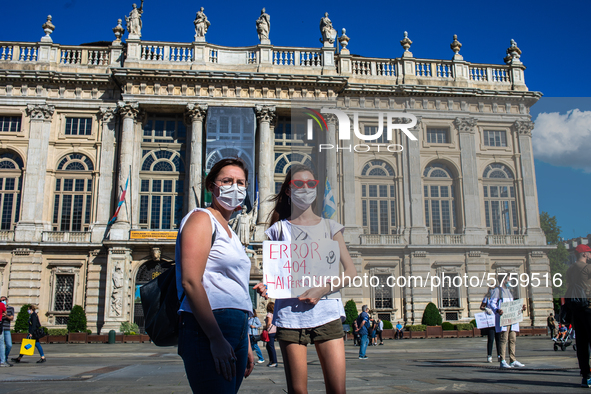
{"x":231,"y":197}
{"x":30,"y":311}
{"x":303,"y":198}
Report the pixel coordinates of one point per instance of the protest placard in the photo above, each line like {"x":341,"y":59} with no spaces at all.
{"x":484,"y":320}
{"x":512,"y":312}
{"x":291,"y":268}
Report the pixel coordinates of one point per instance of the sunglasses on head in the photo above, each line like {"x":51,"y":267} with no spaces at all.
{"x":312,"y":183}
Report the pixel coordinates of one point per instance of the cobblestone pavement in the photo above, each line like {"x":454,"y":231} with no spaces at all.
{"x":417,"y":365}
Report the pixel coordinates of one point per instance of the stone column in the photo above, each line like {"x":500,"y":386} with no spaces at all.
{"x":540,"y":297}
{"x":118,"y":292}
{"x":331,"y":158}
{"x":535,"y":236}
{"x":196,"y":114}
{"x":30,"y":227}
{"x":348,"y":199}
{"x":105,"y":184}
{"x":474,"y":232}
{"x":128,"y":111}
{"x":476,"y":265}
{"x":265,"y":115}
{"x":412,"y":160}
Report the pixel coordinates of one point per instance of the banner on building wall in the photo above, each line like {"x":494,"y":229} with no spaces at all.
{"x":153,"y":235}
{"x":292,"y":268}
{"x":484,"y":320}
{"x":512,"y":312}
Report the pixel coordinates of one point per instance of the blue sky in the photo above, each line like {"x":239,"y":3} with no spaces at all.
{"x":554,"y":38}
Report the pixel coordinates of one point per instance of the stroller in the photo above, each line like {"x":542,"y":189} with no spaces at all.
{"x":566,"y":339}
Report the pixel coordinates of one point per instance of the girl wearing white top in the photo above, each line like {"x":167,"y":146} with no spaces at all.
{"x":310,"y":318}
{"x":212,"y":282}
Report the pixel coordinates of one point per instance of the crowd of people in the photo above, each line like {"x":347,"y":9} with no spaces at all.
{"x":35,"y":332}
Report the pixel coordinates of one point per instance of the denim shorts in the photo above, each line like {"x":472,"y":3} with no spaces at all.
{"x":194,"y":349}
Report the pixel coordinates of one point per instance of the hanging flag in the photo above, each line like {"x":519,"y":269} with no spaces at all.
{"x":330,"y":207}
{"x":121,"y":200}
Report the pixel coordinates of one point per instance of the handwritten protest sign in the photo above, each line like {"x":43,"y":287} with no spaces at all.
{"x":512,"y":312}
{"x":484,"y":320}
{"x":291,"y":268}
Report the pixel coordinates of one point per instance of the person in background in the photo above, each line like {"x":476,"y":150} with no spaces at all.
{"x":34,"y":326}
{"x":491,"y":333}
{"x":373,"y":333}
{"x":399,"y":334}
{"x":356,"y":339}
{"x":363,"y":324}
{"x":272,"y":330}
{"x":551,"y":325}
{"x":3,"y":362}
{"x":253,"y":330}
{"x":7,"y":318}
{"x":380,"y":330}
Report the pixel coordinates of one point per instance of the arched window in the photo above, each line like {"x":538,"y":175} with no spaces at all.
{"x":439,"y":193}
{"x":11,"y":183}
{"x":283,"y":162}
{"x":162,"y":189}
{"x":378,"y":198}
{"x":72,"y":207}
{"x":500,"y":206}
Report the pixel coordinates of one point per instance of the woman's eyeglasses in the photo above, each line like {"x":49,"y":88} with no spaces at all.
{"x":230,"y":182}
{"x":299,"y":184}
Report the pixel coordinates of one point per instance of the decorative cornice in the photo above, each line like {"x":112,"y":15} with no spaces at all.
{"x":330,"y":118}
{"x":419,"y":253}
{"x":108,"y":114}
{"x":129,"y":109}
{"x":465,"y":125}
{"x":265,"y":113}
{"x":40,"y":111}
{"x":524,"y":127}
{"x":196,"y":112}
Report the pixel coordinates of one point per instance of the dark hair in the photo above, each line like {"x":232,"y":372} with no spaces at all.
{"x":270,"y":307}
{"x":282,"y":209}
{"x":217,"y":167}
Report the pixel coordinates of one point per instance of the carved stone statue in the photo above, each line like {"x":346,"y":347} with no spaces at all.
{"x":117,"y":294}
{"x":134,"y":21}
{"x":156,"y":253}
{"x":201,"y":25}
{"x":264,"y":27}
{"x":328,"y":32}
{"x":244,"y":224}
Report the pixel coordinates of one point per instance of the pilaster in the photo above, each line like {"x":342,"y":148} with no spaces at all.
{"x":196,"y":114}
{"x":119,"y":295}
{"x":418,"y":231}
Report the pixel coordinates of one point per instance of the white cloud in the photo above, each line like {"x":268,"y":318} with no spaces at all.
{"x":563,"y":139}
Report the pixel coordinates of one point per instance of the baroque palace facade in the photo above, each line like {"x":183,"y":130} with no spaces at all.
{"x":79,"y":124}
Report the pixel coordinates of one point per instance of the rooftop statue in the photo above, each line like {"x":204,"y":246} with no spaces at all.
{"x":201,"y":25}
{"x":328,"y":32}
{"x":263,"y":27}
{"x":134,"y":21}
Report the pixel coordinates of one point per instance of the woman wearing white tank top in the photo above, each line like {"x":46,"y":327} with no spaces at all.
{"x":310,"y":318}
{"x":213,"y":272}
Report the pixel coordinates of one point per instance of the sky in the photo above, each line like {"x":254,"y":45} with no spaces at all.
{"x":554,"y":38}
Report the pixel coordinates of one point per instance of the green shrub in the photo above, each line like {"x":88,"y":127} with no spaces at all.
{"x":350,"y":313}
{"x":447,"y":326}
{"x":473,"y":322}
{"x":89,"y":332}
{"x":417,"y":327}
{"x":57,"y":331}
{"x":431,"y":316}
{"x":464,"y":326}
{"x":77,"y":319}
{"x":387,"y":325}
{"x":128,"y":328}
{"x":22,"y":320}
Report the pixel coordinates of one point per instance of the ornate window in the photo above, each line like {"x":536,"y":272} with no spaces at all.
{"x":378,"y":198}
{"x":437,"y":135}
{"x":495,"y":138}
{"x":439,"y":193}
{"x":161,"y":190}
{"x":64,"y":292}
{"x":450,"y":294}
{"x":290,"y":133}
{"x":11,"y":170}
{"x":72,"y":207}
{"x":500,"y":206}
{"x":372,"y":130}
{"x":78,"y":126}
{"x":164,"y":129}
{"x":383,"y":293}
{"x":10,"y":124}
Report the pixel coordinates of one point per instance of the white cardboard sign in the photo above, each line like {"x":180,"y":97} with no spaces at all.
{"x":484,"y":320}
{"x":512,"y":312}
{"x":291,"y":268}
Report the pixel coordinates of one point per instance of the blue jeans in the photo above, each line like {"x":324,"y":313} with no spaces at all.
{"x":194,"y":349}
{"x":2,"y":351}
{"x":364,"y":343}
{"x":271,"y":349}
{"x":7,"y":342}
{"x":39,"y":348}
{"x":255,"y":348}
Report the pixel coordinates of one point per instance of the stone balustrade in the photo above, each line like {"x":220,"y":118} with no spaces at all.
{"x":267,"y":59}
{"x":382,"y":239}
{"x":66,"y":236}
{"x":446,"y":239}
{"x":6,"y":235}
{"x":508,"y":239}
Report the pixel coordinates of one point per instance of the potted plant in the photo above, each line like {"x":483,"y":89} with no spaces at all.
{"x":57,"y":335}
{"x":417,"y":331}
{"x":21,"y":325}
{"x":96,"y":338}
{"x":388,"y":330}
{"x":77,"y":325}
{"x":465,"y":330}
{"x":131,"y":332}
{"x":432,"y":319}
{"x":449,"y":330}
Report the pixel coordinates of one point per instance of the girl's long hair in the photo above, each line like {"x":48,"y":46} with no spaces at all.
{"x":282,"y":209}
